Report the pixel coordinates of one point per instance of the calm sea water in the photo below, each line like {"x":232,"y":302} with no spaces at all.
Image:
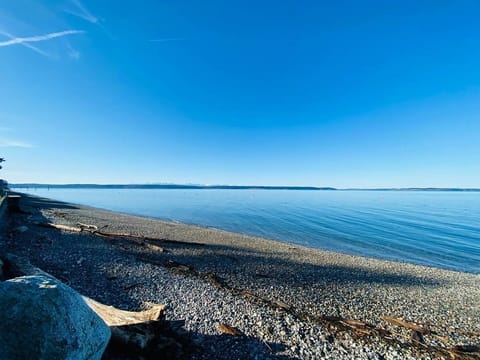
{"x":440,"y":229}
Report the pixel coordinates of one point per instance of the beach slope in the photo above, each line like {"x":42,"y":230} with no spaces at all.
{"x":286,"y":301}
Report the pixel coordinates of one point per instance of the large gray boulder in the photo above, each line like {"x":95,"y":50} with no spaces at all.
{"x":41,"y":318}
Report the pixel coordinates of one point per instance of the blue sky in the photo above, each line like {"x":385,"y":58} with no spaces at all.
{"x":338,"y":93}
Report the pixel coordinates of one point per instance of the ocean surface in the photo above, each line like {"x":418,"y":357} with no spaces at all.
{"x":434,"y":228}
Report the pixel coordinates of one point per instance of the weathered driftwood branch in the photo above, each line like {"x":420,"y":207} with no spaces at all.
{"x":116,"y":317}
{"x":405,"y":324}
{"x":147,"y":238}
{"x":93,"y":229}
{"x":132,"y":332}
{"x":59,"y":227}
{"x":87,"y":226}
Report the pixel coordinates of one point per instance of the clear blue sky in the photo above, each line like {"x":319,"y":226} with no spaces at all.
{"x":327,"y":93}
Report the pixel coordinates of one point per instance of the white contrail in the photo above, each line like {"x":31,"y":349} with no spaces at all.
{"x":83,"y":12}
{"x":166,"y":39}
{"x":34,"y":48}
{"x":79,"y":10}
{"x":23,"y":40}
{"x":14,"y":143}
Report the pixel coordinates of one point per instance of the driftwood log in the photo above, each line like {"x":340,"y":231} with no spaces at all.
{"x":94,"y":230}
{"x":116,"y":317}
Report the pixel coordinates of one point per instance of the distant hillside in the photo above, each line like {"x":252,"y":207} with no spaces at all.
{"x":227,"y":187}
{"x":163,"y":186}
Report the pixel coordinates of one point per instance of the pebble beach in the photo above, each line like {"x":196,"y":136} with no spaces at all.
{"x":283,"y":301}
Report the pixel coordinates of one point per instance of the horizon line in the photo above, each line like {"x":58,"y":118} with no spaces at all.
{"x":233,"y":187}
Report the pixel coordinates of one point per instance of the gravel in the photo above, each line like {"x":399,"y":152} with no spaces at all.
{"x":314,"y":285}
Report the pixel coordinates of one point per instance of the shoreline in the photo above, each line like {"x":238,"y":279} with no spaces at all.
{"x":313,"y":284}
{"x":368,"y":256}
{"x":252,"y":237}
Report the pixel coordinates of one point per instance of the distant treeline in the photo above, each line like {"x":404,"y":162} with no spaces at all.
{"x":227,"y":187}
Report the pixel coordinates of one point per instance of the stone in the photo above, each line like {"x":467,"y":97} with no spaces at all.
{"x":22,"y":229}
{"x":45,"y":319}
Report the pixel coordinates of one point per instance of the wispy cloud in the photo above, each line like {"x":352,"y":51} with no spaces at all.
{"x":29,"y":39}
{"x":73,"y":53}
{"x":166,"y":40}
{"x":14,"y":143}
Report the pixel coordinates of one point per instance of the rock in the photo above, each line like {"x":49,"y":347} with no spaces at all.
{"x":1,"y":269}
{"x":14,"y":203}
{"x":22,"y":228}
{"x":45,"y":319}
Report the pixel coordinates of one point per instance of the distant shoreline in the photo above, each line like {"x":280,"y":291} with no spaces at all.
{"x":222,"y":187}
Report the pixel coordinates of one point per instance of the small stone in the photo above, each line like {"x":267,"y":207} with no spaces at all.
{"x":22,"y":229}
